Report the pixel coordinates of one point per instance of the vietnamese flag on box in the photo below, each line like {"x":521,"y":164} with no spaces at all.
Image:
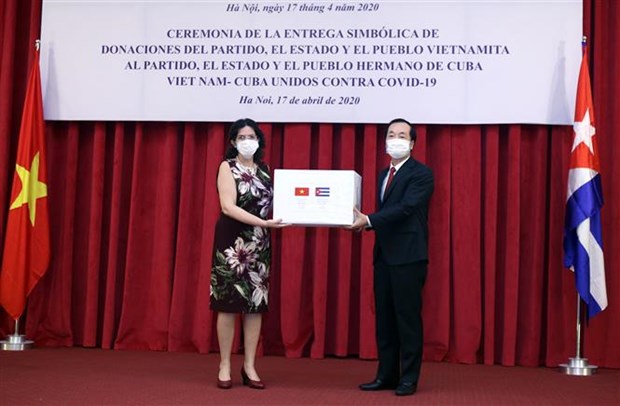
{"x":27,"y":239}
{"x":302,"y":191}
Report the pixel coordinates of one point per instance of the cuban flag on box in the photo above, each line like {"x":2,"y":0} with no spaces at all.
{"x":583,"y":241}
{"x":321,"y":191}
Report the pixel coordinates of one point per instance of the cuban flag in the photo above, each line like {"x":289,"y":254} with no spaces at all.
{"x":321,"y":191}
{"x":583,"y":241}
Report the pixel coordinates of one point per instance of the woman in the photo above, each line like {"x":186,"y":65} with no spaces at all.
{"x":242,"y":251}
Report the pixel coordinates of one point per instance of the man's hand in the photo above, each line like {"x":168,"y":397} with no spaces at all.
{"x":361,"y":221}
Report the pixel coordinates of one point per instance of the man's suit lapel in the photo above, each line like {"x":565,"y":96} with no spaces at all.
{"x":398,"y":177}
{"x":382,"y":176}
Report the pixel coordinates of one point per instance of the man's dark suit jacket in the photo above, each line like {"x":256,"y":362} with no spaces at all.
{"x":401,"y":220}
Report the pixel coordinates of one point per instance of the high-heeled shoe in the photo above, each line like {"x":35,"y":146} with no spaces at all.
{"x":250,"y":382}
{"x":224,"y":384}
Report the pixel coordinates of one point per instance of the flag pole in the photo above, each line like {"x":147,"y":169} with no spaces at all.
{"x":16,"y":341}
{"x":578,"y":366}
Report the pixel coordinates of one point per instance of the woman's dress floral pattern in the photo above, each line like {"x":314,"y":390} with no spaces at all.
{"x":241,"y":252}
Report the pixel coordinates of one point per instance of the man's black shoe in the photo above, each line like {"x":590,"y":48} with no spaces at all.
{"x":406,"y":389}
{"x":377,"y":384}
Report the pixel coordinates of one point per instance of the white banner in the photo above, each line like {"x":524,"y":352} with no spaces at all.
{"x":510,"y":61}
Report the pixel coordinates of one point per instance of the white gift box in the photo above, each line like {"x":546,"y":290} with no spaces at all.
{"x":316,"y":197}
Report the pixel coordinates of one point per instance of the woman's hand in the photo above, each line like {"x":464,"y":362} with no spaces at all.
{"x":275,"y":223}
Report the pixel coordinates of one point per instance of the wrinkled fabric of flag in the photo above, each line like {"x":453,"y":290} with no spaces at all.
{"x":583,"y":241}
{"x":26,"y":254}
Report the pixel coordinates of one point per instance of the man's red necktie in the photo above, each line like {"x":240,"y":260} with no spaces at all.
{"x":390,"y":177}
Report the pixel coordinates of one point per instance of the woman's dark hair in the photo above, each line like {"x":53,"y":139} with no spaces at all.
{"x":412,"y":133}
{"x":231,"y":151}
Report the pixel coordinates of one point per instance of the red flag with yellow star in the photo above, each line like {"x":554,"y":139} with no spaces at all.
{"x":27,"y":239}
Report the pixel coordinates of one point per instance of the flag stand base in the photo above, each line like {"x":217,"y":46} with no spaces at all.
{"x":16,"y":342}
{"x":579,"y":367}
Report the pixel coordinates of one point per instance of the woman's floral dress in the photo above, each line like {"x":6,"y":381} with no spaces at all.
{"x":241,"y":252}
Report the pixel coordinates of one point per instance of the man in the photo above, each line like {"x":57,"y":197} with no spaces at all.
{"x":400,"y":261}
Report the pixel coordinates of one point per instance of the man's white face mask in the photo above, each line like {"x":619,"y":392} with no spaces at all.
{"x":397,"y":148}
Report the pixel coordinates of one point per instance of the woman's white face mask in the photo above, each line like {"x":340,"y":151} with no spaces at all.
{"x":247,"y":148}
{"x":397,"y":148}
